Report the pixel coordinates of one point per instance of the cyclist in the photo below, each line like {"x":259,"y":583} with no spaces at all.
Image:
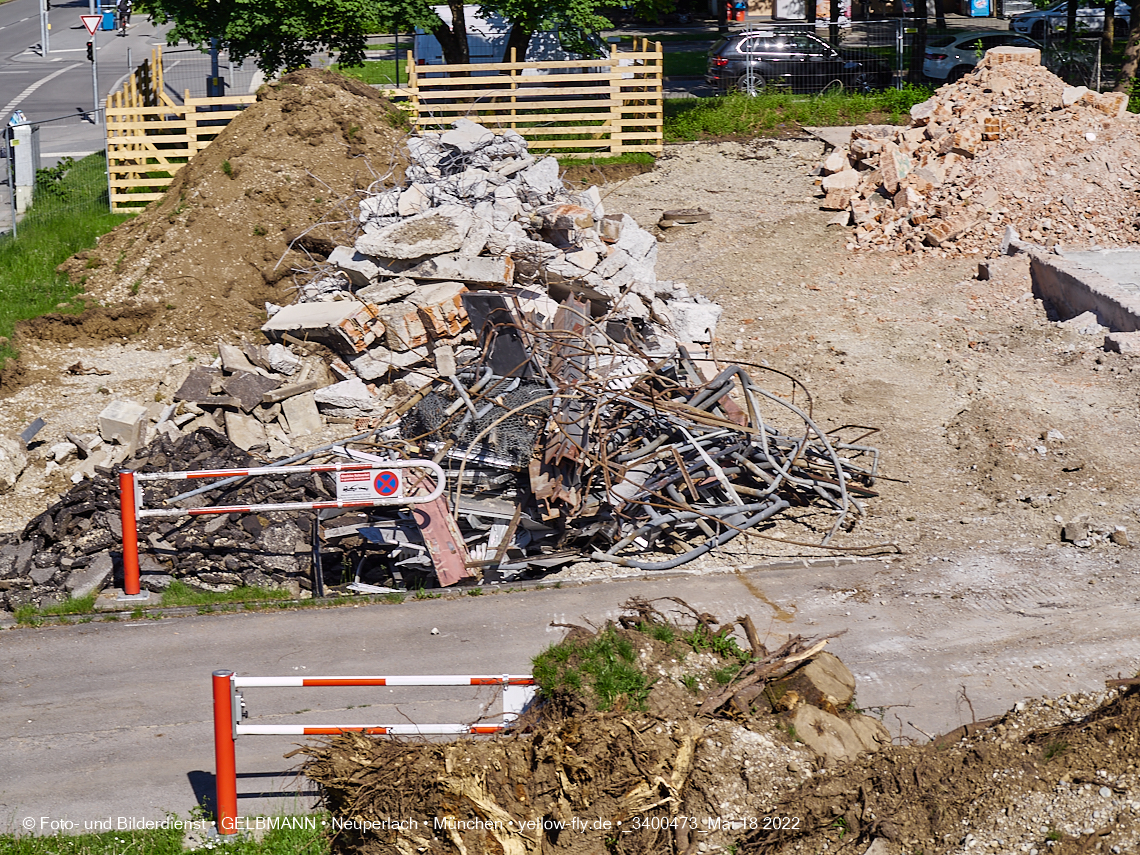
{"x":124,"y":9}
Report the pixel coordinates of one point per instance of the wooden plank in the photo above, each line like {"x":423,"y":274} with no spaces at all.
{"x":539,"y":81}
{"x":555,"y":130}
{"x":144,"y":111}
{"x":139,"y":197}
{"x":524,"y":104}
{"x":549,"y":144}
{"x":220,"y":100}
{"x":422,"y":70}
{"x":140,"y":182}
{"x":477,"y":94}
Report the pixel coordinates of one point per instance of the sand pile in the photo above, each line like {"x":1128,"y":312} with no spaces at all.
{"x":221,"y":242}
{"x":1009,"y":144}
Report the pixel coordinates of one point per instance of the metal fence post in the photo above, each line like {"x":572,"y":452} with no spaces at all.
{"x":9,"y":137}
{"x":225,"y":758}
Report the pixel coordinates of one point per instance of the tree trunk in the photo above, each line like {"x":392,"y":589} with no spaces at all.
{"x":1131,"y":54}
{"x":1071,"y":22}
{"x":833,"y":25}
{"x":722,"y":16}
{"x":918,"y":46}
{"x":519,"y":39}
{"x":453,"y":39}
{"x":1109,"y":31}
{"x":940,"y":14}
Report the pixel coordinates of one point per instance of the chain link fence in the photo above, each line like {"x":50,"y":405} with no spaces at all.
{"x":190,"y":70}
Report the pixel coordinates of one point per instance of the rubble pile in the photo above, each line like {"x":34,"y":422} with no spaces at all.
{"x":478,"y":212}
{"x":490,"y":320}
{"x":75,"y":546}
{"x":1008,"y":144}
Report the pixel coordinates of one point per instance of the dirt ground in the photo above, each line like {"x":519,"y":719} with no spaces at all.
{"x":996,"y":425}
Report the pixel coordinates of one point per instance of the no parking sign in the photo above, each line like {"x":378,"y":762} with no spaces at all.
{"x":369,"y":484}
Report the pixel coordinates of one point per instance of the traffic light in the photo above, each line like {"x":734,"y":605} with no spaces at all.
{"x":91,"y":51}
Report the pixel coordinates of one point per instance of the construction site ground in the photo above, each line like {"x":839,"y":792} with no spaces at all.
{"x":996,"y":427}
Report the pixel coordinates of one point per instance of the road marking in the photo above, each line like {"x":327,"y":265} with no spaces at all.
{"x":15,"y":102}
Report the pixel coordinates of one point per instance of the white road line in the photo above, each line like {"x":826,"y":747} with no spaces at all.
{"x":15,"y":102}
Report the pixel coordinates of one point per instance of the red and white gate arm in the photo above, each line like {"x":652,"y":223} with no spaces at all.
{"x":229,"y":707}
{"x":131,"y":509}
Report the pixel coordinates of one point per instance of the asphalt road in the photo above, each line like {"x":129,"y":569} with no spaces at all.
{"x":114,"y":719}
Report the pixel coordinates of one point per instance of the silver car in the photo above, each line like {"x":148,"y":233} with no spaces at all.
{"x":950,"y":57}
{"x":1054,"y":19}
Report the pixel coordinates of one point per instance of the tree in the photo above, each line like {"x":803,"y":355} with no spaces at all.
{"x":1131,"y":54}
{"x":574,"y":19}
{"x":918,"y":46}
{"x":284,"y":34}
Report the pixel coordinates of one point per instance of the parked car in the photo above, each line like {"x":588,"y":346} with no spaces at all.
{"x":756,"y":60}
{"x":950,"y":57}
{"x":1054,"y":19}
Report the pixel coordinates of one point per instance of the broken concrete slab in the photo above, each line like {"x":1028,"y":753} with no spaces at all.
{"x":696,"y":321}
{"x":233,"y":360}
{"x":432,"y":233}
{"x":248,"y":389}
{"x":13,"y":461}
{"x":338,"y":324}
{"x":497,"y":271}
{"x":92,"y":578}
{"x":198,"y":384}
{"x":387,"y":291}
{"x":377,"y":362}
{"x":282,"y":393}
{"x":1127,"y":343}
{"x":282,"y":360}
{"x":246,"y":432}
{"x":122,"y":422}
{"x":301,"y":414}
{"x":347,"y":395}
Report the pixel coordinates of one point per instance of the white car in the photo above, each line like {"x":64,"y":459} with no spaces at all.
{"x":1054,"y":19}
{"x":950,"y":57}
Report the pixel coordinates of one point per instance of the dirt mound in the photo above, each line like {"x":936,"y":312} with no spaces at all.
{"x":1009,"y":145}
{"x":93,"y":325}
{"x":208,"y":256}
{"x":632,"y":747}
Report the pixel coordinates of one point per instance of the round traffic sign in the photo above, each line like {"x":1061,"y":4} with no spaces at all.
{"x":387,"y":483}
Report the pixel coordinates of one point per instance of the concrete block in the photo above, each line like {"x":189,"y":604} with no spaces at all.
{"x":573,"y":217}
{"x":403,"y":328}
{"x":301,"y":414}
{"x":695,"y":322}
{"x":387,"y":291}
{"x":381,"y":205}
{"x":1127,"y":343}
{"x":361,"y":270}
{"x":198,"y":384}
{"x":431,"y":233}
{"x":122,"y":422}
{"x":543,"y":178}
{"x":836,"y":161}
{"x":377,"y":362}
{"x":634,"y":239}
{"x":13,"y":461}
{"x":234,"y":359}
{"x":282,"y":360}
{"x":441,"y":309}
{"x":246,"y":432}
{"x":498,"y":271}
{"x":1086,"y":323}
{"x":92,"y":578}
{"x":346,"y":395}
{"x":414,"y":200}
{"x":467,"y":136}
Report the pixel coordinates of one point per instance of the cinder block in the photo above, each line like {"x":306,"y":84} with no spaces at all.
{"x":121,"y":422}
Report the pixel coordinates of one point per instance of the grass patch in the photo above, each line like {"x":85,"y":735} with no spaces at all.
{"x":372,"y":71}
{"x":30,"y":614}
{"x":687,"y":63}
{"x":689,"y":119}
{"x":168,"y":841}
{"x":604,"y":666}
{"x":68,"y":214}
{"x":181,"y":594}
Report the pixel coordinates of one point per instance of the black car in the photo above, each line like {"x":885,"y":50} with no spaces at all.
{"x":756,"y":60}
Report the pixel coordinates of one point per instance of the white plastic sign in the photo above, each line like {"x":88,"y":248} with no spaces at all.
{"x":361,"y":486}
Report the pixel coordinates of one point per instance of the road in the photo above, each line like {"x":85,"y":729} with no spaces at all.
{"x":114,"y":719}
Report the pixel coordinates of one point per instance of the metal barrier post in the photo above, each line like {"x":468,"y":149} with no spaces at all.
{"x":128,"y":507}
{"x":225,"y":760}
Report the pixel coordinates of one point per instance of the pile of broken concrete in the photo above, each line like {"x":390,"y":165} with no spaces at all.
{"x":476,"y":212}
{"x":1009,"y":144}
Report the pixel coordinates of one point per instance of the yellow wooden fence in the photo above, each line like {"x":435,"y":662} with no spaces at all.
{"x":150,"y":137}
{"x":610,"y":106}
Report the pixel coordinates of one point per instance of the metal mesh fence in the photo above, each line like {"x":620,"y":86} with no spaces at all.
{"x":43,"y":184}
{"x":188,"y":69}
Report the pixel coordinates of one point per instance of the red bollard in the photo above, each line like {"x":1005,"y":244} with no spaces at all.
{"x":128,"y":506}
{"x":225,"y":761}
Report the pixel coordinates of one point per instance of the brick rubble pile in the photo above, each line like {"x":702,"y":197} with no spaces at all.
{"x":1009,"y":144}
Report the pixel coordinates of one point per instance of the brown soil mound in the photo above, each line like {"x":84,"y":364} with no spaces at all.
{"x":209,"y":255}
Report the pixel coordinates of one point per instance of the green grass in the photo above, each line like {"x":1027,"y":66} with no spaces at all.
{"x":374,"y":71}
{"x":66,"y":218}
{"x":181,"y":594}
{"x":690,"y":63}
{"x":689,"y":119}
{"x":605,"y":666}
{"x":29,"y":614}
{"x":168,"y":841}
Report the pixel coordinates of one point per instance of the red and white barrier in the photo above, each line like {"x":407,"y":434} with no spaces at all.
{"x":517,"y":690}
{"x":359,"y":485}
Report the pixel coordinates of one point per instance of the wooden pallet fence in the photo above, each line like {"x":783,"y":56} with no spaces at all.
{"x":610,"y":106}
{"x":147,"y":145}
